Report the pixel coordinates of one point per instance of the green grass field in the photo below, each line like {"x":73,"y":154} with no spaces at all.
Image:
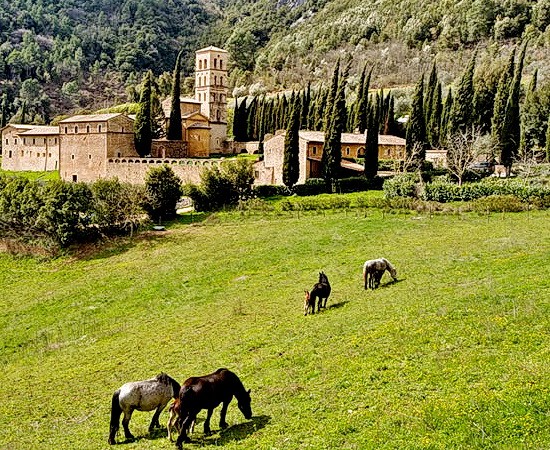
{"x":454,"y":355}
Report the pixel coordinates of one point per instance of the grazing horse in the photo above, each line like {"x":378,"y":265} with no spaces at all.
{"x":143,"y":395}
{"x":207,"y":392}
{"x":320,"y":290}
{"x":174,"y":421}
{"x":373,"y":271}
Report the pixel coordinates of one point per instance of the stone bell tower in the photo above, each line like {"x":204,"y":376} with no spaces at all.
{"x":211,"y":90}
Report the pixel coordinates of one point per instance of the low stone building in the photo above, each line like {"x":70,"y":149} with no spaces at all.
{"x":30,"y":147}
{"x":270,"y":169}
{"x":87,"y":141}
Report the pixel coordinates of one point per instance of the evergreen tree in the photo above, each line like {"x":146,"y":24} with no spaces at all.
{"x":434,"y":124}
{"x":527,"y":141}
{"x":157,"y":117}
{"x":261,"y":125}
{"x":306,"y":105}
{"x":4,"y":115}
{"x":547,"y":152}
{"x":362,"y":100}
{"x":331,"y":98}
{"x":415,"y":146}
{"x":175,"y":132}
{"x":24,"y":112}
{"x":501,"y":100}
{"x":430,"y":92}
{"x":389,"y":123}
{"x":371,"y":145}
{"x":236,"y":120}
{"x":462,"y":113}
{"x":445,"y":117}
{"x":143,"y":130}
{"x":512,"y":129}
{"x":291,"y":163}
{"x":251,"y":119}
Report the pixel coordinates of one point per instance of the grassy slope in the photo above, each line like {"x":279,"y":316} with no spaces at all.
{"x":456,"y":354}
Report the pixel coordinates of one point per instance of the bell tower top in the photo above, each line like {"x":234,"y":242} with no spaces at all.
{"x":211,"y":83}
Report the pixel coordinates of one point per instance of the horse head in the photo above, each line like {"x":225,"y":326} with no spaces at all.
{"x":243,"y":402}
{"x":323,"y":278}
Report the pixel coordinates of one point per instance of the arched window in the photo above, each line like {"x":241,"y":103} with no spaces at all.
{"x":218,"y":116}
{"x":221,"y":64}
{"x":205,"y":64}
{"x":204,"y":80}
{"x":347,"y":151}
{"x":66,"y":130}
{"x":221,"y":81}
{"x":215,"y":63}
{"x":75,"y":130}
{"x":360,"y":152}
{"x":200,"y":64}
{"x":99,"y":128}
{"x":215,"y":79}
{"x":87,"y":128}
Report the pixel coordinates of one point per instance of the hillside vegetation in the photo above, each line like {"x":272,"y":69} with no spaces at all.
{"x":57,"y":57}
{"x":454,"y":355}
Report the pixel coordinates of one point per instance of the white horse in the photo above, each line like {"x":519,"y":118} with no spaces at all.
{"x":141,"y":396}
{"x":373,"y":271}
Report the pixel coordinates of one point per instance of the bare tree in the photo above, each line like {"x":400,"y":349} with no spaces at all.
{"x":410,"y":162}
{"x":464,"y":148}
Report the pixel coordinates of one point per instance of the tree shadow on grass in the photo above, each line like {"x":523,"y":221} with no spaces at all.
{"x":234,"y":433}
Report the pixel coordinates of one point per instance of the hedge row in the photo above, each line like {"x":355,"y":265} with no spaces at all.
{"x":443,"y":191}
{"x":57,"y":214}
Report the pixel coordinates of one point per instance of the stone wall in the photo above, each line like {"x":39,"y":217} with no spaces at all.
{"x":163,"y":148}
{"x":134,"y":170}
{"x":29,"y":153}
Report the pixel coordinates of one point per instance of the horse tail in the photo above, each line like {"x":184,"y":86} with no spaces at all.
{"x":116,"y":411}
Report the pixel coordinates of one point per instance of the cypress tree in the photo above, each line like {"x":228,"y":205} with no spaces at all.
{"x":4,"y":115}
{"x":363,"y":101}
{"x":174,"y":132}
{"x":331,"y":98}
{"x":430,"y":92}
{"x":389,"y":123}
{"x":416,"y":128}
{"x":143,"y":128}
{"x":547,"y":146}
{"x":462,"y":113}
{"x":291,"y":163}
{"x":306,"y":105}
{"x":434,"y":124}
{"x":527,"y":139}
{"x":236,"y":120}
{"x":445,"y":117}
{"x":371,"y":145}
{"x":251,"y":119}
{"x":512,"y":129}
{"x":501,"y":99}
{"x":24,"y":112}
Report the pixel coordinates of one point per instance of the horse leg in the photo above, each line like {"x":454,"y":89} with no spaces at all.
{"x":155,"y":420}
{"x":207,"y":421}
{"x":183,"y":431}
{"x":223,"y":412}
{"x":125,"y":422}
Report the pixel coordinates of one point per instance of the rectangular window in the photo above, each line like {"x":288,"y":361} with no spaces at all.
{"x":15,"y":141}
{"x":6,"y":142}
{"x":9,"y":154}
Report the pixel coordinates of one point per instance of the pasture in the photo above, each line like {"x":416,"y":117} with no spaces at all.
{"x":453,"y":355}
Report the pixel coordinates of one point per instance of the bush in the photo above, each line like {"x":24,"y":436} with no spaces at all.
{"x":358,"y":184}
{"x":499,"y":203}
{"x":163,"y":189}
{"x":221,"y":187}
{"x":313,"y":186}
{"x":402,"y":185}
{"x":269,"y":190}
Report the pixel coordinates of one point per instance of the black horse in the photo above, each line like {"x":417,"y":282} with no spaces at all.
{"x":320,"y":290}
{"x":207,"y":392}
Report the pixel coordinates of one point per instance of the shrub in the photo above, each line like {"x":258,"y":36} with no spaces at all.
{"x":358,"y":184}
{"x":313,"y":186}
{"x":116,"y":205}
{"x":220,"y":187}
{"x":270,"y":190}
{"x":402,"y":185}
{"x":163,"y":189}
{"x":499,"y":203}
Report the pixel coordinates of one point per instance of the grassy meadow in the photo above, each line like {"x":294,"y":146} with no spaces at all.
{"x":453,"y":355}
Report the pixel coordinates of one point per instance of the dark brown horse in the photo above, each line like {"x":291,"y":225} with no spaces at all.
{"x":320,"y":291}
{"x":207,"y":392}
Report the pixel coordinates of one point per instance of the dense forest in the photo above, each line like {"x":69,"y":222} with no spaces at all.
{"x":65,"y":56}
